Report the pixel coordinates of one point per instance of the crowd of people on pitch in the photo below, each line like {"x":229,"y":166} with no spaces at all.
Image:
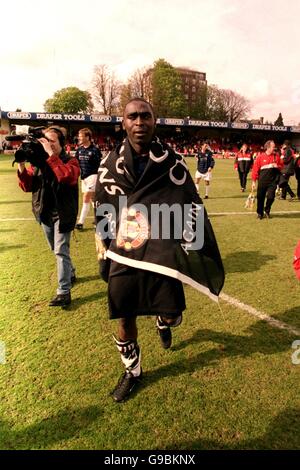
{"x":271,"y":167}
{"x":272,"y":176}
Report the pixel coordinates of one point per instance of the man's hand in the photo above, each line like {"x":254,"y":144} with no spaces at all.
{"x":21,"y":167}
{"x":47,"y":146}
{"x":253,"y":187}
{"x":104,"y":266}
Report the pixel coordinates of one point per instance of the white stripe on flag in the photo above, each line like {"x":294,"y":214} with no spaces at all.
{"x":157,"y":268}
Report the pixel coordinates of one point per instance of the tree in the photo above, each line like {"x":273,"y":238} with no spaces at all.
{"x":235,"y":105}
{"x":126,"y":94}
{"x":69,"y":100}
{"x":135,"y":87}
{"x":106,"y":89}
{"x":166,"y":90}
{"x":279,"y":121}
{"x":225,"y":105}
{"x":137,"y":83}
{"x":215,"y":110}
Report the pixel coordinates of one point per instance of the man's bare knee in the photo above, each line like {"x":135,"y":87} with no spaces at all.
{"x":127,"y":328}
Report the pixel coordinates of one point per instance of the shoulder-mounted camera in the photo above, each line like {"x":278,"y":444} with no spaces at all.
{"x":30,"y":149}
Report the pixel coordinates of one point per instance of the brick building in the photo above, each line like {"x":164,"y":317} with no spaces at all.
{"x":192,"y":81}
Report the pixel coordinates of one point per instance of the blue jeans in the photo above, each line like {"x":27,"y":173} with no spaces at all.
{"x":60,"y":244}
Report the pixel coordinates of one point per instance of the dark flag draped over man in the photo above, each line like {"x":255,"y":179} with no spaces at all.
{"x":153,"y":233}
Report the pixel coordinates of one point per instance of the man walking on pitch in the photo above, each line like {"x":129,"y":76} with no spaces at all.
{"x":52,"y":178}
{"x":88,"y":156}
{"x":266,"y":170}
{"x":145,"y":273}
{"x":243,"y":163}
{"x":205,"y":164}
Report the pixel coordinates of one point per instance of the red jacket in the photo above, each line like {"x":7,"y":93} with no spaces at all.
{"x":67,"y":173}
{"x":296,"y":262}
{"x":265,"y":164}
{"x":54,"y":188}
{"x":244,"y":161}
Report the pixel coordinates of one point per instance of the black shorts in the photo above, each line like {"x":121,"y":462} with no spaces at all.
{"x":136,"y":292}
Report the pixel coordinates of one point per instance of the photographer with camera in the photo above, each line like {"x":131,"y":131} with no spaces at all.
{"x":52,"y":177}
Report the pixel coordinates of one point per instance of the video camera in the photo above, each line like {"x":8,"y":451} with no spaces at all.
{"x":30,"y":150}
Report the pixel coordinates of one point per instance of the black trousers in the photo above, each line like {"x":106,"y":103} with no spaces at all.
{"x":243,"y":178}
{"x":285,"y":187}
{"x":135,"y":292}
{"x":265,"y":190}
{"x":297,"y":175}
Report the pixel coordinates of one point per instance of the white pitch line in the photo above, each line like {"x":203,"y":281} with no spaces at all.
{"x":11,"y":219}
{"x":256,"y":313}
{"x":253,"y":213}
{"x":16,"y":219}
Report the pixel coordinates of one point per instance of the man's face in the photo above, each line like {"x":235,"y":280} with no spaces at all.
{"x":54,"y":142}
{"x":272,"y":146}
{"x":139,"y":123}
{"x":83,"y":139}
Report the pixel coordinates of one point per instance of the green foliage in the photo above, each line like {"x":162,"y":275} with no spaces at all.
{"x":227,"y":382}
{"x":198,"y":109}
{"x":69,"y":100}
{"x":167,"y":96}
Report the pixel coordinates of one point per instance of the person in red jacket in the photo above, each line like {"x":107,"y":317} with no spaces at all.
{"x":243,"y":164}
{"x":266,"y":170}
{"x":288,"y":169}
{"x":53,"y":183}
{"x":296,"y":261}
{"x":297,"y":175}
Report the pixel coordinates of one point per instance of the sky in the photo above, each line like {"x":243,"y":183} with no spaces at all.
{"x":249,"y":46}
